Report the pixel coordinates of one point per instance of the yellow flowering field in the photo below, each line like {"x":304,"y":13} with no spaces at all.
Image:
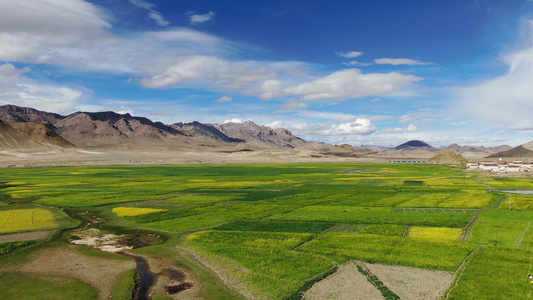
{"x":134,"y":211}
{"x":16,"y":220}
{"x":436,"y":233}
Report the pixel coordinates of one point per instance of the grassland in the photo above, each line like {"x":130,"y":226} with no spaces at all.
{"x":280,"y":228}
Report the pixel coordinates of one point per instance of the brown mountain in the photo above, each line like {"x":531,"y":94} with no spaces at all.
{"x":112,"y":129}
{"x":41,"y":134}
{"x":476,"y":150}
{"x":447,"y":158}
{"x":516,"y":152}
{"x":415,"y":145}
{"x":15,"y":114}
{"x":350,"y":151}
{"x":260,"y":136}
{"x":29,"y":137}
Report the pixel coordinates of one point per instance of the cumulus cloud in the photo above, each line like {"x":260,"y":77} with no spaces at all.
{"x":352,"y":83}
{"x":152,"y":11}
{"x":224,"y":99}
{"x":325,"y":115}
{"x":236,"y":120}
{"x":361,"y":126}
{"x":504,"y":101}
{"x":18,"y":89}
{"x":35,"y":30}
{"x":400,"y":61}
{"x":408,"y":128}
{"x":212,"y":70}
{"x":351,"y":54}
{"x":357,"y":126}
{"x":196,"y":19}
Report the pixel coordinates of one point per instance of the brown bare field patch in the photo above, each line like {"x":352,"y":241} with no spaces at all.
{"x":413,"y":283}
{"x":101,"y":273}
{"x":345,"y":284}
{"x":25,"y":236}
{"x":406,"y":282}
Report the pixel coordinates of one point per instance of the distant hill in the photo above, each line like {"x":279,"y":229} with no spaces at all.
{"x":260,"y":136}
{"x":476,"y":150}
{"x":350,"y":151}
{"x":117,"y":130}
{"x":517,"y":152}
{"x":447,"y":158}
{"x":29,"y":137}
{"x":415,"y":144}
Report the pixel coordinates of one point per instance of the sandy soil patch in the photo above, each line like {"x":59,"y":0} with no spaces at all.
{"x":345,"y":284}
{"x":101,"y":273}
{"x":407,"y":283}
{"x":25,"y":236}
{"x":413,"y":283}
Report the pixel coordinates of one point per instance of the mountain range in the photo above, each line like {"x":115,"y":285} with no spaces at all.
{"x":23,"y":128}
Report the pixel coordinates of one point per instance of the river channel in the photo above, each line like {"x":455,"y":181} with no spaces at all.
{"x":145,"y":278}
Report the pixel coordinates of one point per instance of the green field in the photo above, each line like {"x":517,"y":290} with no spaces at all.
{"x":278,"y":228}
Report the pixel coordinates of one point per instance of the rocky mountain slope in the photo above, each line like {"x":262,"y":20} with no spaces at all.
{"x":415,"y":145}
{"x":19,"y":139}
{"x":447,"y":158}
{"x":346,"y":150}
{"x":476,"y":150}
{"x":112,"y":129}
{"x":516,"y":152}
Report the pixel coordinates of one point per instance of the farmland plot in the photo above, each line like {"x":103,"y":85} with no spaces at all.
{"x":282,"y":228}
{"x":17,"y":220}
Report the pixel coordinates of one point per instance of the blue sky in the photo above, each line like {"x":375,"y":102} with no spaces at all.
{"x":357,"y":72}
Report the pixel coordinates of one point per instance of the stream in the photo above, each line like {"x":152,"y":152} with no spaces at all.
{"x":145,"y":278}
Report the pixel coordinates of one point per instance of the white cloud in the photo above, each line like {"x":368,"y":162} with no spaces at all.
{"x":421,"y":115}
{"x":352,"y":83}
{"x":351,"y":54}
{"x":408,"y":128}
{"x":200,"y":19}
{"x":360,"y":126}
{"x":35,"y":30}
{"x":224,"y":99}
{"x":504,"y":101}
{"x":400,"y":61}
{"x":211,"y":70}
{"x":152,"y":12}
{"x":17,"y":89}
{"x":236,"y":120}
{"x":325,"y":115}
{"x":462,"y":123}
{"x":351,"y":63}
{"x":294,"y":105}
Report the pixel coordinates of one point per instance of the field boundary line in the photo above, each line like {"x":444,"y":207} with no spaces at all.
{"x":314,"y":237}
{"x":523,"y":234}
{"x":221,"y":271}
{"x":435,"y":210}
{"x":467,"y":231}
{"x":459,"y":272}
{"x":406,"y":231}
